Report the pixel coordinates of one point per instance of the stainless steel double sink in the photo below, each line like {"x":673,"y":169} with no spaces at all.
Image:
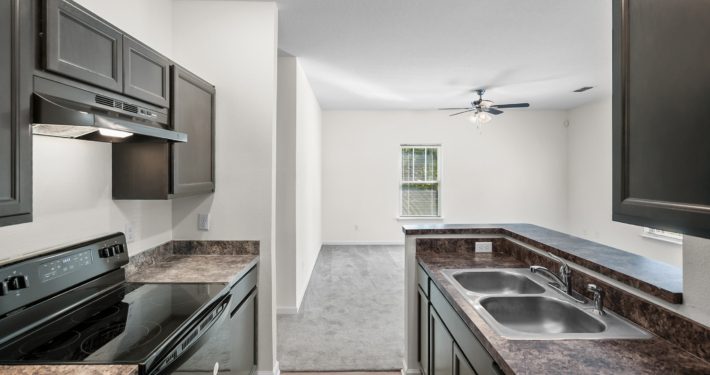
{"x":520,"y":305}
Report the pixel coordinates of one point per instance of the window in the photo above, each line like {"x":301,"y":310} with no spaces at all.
{"x":420,"y":185}
{"x":663,"y":235}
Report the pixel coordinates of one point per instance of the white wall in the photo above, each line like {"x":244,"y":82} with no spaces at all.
{"x":696,"y":263}
{"x":286,"y":187}
{"x":298,"y":192}
{"x":589,"y":196}
{"x":72,"y":179}
{"x":232,"y":44}
{"x":308,"y":182}
{"x":511,"y":170}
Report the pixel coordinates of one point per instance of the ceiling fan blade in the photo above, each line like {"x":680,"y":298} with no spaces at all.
{"x":494,"y":111}
{"x":517,"y":105}
{"x":459,"y":113}
{"x":453,"y":109}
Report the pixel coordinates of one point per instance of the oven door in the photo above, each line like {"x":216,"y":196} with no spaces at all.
{"x":205,"y":348}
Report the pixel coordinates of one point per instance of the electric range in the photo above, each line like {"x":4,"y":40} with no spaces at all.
{"x":73,"y":305}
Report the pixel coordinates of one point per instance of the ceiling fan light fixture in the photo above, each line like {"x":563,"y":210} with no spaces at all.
{"x":480,"y":118}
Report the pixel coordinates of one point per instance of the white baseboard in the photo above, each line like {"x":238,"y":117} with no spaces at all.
{"x":365,"y":243}
{"x":409,"y":371}
{"x":275,"y":371}
{"x":287,"y":310}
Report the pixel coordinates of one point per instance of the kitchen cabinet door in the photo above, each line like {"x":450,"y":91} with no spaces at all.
{"x":15,"y":128}
{"x":80,"y":45}
{"x":147,"y":73}
{"x":243,"y":328}
{"x":192,"y":113}
{"x":661,"y":137}
{"x":423,"y":317}
{"x":461,"y":365}
{"x":441,"y":345}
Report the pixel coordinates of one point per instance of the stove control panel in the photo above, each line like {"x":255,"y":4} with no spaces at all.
{"x":51,"y":271}
{"x":14,"y":283}
{"x":65,"y":265}
{"x":112,"y":251}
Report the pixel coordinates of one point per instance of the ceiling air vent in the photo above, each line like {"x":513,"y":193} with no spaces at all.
{"x":583,"y":89}
{"x":103,"y":100}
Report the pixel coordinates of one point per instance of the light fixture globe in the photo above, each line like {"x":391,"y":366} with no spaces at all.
{"x":480,"y":117}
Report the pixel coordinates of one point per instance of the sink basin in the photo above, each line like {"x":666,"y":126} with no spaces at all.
{"x":540,"y":315}
{"x":520,"y":305}
{"x":497,"y":282}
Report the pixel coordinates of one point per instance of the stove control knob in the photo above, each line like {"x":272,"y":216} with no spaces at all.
{"x":103,"y":253}
{"x":3,"y":288}
{"x":17,"y":282}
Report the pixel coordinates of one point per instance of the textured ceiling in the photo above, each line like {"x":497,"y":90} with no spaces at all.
{"x":425,"y":54}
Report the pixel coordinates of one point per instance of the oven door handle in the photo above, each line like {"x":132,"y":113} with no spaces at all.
{"x":190,"y":341}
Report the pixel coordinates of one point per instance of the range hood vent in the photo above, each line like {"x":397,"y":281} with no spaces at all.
{"x":65,"y":111}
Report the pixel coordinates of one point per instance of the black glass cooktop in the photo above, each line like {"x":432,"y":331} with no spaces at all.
{"x":125,"y":326}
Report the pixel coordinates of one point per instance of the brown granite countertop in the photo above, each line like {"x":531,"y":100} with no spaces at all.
{"x":653,"y":277}
{"x":196,"y":269}
{"x":69,"y":370}
{"x":652,"y":356}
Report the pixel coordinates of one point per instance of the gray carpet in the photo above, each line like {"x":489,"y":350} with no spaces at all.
{"x":352,"y":314}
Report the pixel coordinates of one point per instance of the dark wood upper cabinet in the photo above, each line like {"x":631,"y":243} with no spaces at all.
{"x":16,"y":62}
{"x":146,"y":73}
{"x":661,"y":116}
{"x":166,"y":171}
{"x":82,"y":46}
{"x":193,"y":114}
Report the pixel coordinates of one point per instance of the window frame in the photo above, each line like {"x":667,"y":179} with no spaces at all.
{"x":438,"y":181}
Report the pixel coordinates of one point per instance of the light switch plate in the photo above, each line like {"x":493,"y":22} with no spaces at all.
{"x":484,"y":247}
{"x":203,"y":222}
{"x":129,"y":232}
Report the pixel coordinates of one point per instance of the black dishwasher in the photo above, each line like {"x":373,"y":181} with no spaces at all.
{"x":230,"y":346}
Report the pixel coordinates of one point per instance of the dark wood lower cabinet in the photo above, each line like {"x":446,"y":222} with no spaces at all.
{"x":16,"y":52}
{"x":447,"y":346}
{"x":423,"y":337}
{"x":442,"y":346}
{"x":461,"y":365}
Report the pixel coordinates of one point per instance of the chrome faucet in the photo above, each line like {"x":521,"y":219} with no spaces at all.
{"x":598,"y":298}
{"x":564,"y":278}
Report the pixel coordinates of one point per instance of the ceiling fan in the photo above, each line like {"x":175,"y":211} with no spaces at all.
{"x":483,"y":109}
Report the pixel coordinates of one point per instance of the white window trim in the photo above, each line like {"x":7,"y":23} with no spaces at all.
{"x":661,"y":236}
{"x":440,"y":215}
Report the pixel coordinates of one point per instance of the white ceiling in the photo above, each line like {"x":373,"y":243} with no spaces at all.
{"x":425,"y":54}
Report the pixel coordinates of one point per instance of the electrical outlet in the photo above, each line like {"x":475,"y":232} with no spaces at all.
{"x":484,"y":247}
{"x":203,"y":222}
{"x":129,"y":231}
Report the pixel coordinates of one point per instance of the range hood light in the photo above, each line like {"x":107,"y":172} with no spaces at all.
{"x":114,"y":133}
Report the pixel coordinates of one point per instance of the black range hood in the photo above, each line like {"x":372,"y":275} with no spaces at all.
{"x":62,"y":110}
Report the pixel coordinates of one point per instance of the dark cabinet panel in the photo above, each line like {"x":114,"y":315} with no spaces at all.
{"x":146,"y":73}
{"x":166,"y":171}
{"x":82,"y":46}
{"x":661,"y":144}
{"x":15,"y":129}
{"x":441,"y":345}
{"x":193,"y":114}
{"x":461,"y":365}
{"x":423,"y":338}
{"x":244,"y":334}
{"x":140,"y":170}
